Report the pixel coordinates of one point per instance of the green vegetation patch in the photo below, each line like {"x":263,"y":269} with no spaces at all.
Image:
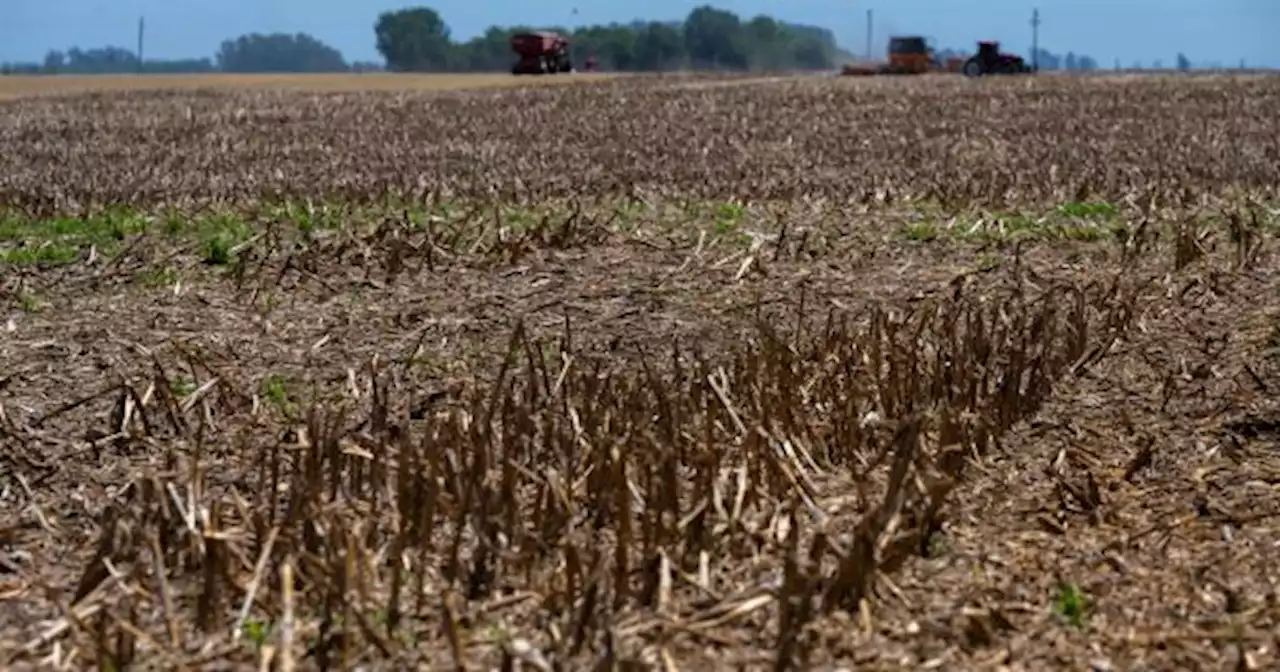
{"x":1071,"y":604}
{"x":1085,"y":222}
{"x":63,"y":240}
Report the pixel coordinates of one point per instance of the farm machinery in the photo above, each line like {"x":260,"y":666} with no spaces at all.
{"x":908,"y":55}
{"x":913,"y":56}
{"x":989,"y":61}
{"x":541,"y":53}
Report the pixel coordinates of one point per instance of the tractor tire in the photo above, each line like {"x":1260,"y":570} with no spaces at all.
{"x":972,"y":68}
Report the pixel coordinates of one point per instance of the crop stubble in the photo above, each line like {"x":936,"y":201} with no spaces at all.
{"x":852,"y":373}
{"x":19,"y":86}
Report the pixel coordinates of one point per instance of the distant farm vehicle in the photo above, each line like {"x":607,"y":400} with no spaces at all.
{"x":989,"y":61}
{"x":908,"y":55}
{"x":540,"y":53}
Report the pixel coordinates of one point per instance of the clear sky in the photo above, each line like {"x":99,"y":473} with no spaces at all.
{"x":1206,"y":30}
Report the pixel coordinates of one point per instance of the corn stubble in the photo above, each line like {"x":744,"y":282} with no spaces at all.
{"x":585,"y":497}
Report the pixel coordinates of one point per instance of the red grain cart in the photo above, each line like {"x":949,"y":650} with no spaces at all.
{"x":540,"y":53}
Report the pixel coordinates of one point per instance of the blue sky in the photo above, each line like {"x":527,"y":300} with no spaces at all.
{"x":1206,"y":30}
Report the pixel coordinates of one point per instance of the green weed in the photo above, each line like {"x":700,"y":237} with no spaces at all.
{"x":216,"y":250}
{"x":47,"y":254}
{"x":28,"y":302}
{"x":257,"y":632}
{"x":182,"y":387}
{"x":1071,"y":605}
{"x":937,"y":545}
{"x":276,"y":391}
{"x":627,"y":216}
{"x":922,"y":231}
{"x":1084,"y":222}
{"x":157,"y":277}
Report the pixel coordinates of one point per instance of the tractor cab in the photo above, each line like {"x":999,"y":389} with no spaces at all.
{"x":908,"y":46}
{"x":989,"y":53}
{"x":909,"y":54}
{"x":989,"y":61}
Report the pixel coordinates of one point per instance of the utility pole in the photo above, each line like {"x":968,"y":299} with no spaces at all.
{"x":868,"y":34}
{"x":141,"y":27}
{"x":1035,"y":40}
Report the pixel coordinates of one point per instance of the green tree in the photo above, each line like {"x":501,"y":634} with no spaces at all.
{"x":414,"y":40}
{"x":809,"y":54}
{"x":105,"y":60}
{"x":809,"y":47}
{"x":418,"y":39}
{"x":768,"y":42}
{"x":277,"y":52}
{"x":490,"y":51}
{"x":659,"y":46}
{"x":615,"y":45}
{"x":714,"y":39}
{"x":178,"y":66}
{"x":55,"y":61}
{"x":100,"y":60}
{"x":1184,"y":63}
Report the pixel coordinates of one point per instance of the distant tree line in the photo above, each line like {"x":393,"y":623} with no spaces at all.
{"x":417,"y":39}
{"x":256,"y":52}
{"x":1081,"y":62}
{"x":1048,"y":60}
{"x":105,"y":60}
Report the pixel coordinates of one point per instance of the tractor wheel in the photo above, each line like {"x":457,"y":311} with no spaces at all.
{"x":972,"y":68}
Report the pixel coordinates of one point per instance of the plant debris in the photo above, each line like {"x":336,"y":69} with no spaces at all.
{"x":771,"y":374}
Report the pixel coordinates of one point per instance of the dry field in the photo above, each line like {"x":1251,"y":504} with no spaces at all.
{"x":758,"y":374}
{"x":28,"y":86}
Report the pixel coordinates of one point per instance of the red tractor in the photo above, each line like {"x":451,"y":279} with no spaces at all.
{"x":540,"y":53}
{"x":989,"y":61}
